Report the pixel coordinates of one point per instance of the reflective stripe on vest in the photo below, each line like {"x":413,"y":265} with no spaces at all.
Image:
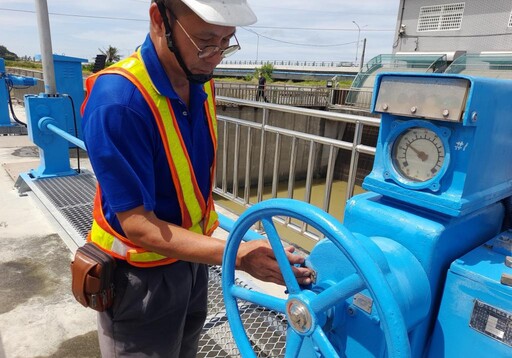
{"x":197,"y":216}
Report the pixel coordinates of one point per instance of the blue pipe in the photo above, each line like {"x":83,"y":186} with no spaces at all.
{"x":46,"y":125}
{"x":227,"y":224}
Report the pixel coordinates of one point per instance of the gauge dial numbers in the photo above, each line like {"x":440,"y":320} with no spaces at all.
{"x":418,"y":154}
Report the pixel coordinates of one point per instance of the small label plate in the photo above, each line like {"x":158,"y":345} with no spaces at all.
{"x":492,"y":322}
{"x":363,"y":302}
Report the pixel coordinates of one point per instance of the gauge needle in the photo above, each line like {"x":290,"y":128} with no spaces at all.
{"x":422,"y":155}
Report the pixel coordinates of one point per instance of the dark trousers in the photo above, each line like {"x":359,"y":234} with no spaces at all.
{"x":157,"y":312}
{"x":261,"y":94}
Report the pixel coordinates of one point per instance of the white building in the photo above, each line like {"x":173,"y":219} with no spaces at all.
{"x":471,"y":26}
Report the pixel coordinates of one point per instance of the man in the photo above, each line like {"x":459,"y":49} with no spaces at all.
{"x":150,"y":129}
{"x":261,"y":88}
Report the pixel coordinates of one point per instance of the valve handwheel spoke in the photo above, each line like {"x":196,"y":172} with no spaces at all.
{"x":337,"y":293}
{"x":264,"y":300}
{"x":293,"y":344}
{"x":324,"y":344}
{"x":275,"y":241}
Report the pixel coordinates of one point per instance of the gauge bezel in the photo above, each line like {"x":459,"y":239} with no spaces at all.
{"x":391,"y":173}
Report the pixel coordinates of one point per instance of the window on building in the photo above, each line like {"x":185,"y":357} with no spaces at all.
{"x":441,"y":17}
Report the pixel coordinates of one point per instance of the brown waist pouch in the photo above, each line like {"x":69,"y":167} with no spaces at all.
{"x":92,"y":272}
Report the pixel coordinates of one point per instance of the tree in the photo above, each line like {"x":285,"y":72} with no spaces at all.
{"x":7,"y":55}
{"x":112,"y":54}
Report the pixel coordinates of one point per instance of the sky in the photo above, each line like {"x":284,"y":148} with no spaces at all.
{"x":298,"y":30}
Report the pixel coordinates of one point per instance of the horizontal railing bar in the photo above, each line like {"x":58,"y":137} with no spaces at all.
{"x":243,"y":122}
{"x":366,"y":149}
{"x":340,"y":117}
{"x":309,"y":137}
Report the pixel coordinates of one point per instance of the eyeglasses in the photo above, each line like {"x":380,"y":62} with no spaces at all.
{"x":211,"y":50}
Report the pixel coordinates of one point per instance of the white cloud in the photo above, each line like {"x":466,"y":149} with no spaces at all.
{"x":282,"y":21}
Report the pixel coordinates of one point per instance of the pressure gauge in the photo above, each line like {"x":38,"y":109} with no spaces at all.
{"x":418,"y":154}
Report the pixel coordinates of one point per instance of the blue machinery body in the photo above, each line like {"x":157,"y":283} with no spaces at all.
{"x":421,"y":265}
{"x":6,"y":81}
{"x":69,"y":83}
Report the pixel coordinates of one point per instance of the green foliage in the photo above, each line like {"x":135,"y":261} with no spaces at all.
{"x":87,"y":68}
{"x":344,"y":83}
{"x":24,"y":64}
{"x":112,"y":54}
{"x":266,"y":70}
{"x":7,"y":55}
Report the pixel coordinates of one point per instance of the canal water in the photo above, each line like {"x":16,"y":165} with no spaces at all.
{"x":336,"y":209}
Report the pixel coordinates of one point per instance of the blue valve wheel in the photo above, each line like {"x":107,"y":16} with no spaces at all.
{"x":305,"y":309}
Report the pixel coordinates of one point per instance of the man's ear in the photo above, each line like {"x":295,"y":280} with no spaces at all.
{"x":156,"y":21}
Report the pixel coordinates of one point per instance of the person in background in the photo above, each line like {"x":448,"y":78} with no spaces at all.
{"x":261,"y":88}
{"x":150,"y":128}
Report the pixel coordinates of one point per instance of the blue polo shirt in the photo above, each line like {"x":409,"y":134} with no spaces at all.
{"x":125,"y":147}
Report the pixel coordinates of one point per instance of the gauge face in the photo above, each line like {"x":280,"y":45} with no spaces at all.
{"x":418,"y":154}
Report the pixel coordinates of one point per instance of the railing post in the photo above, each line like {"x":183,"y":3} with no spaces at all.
{"x":248,"y":154}
{"x":261,"y":166}
{"x":354,"y":158}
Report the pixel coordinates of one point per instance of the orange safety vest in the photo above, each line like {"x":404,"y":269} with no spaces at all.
{"x":197,"y":216}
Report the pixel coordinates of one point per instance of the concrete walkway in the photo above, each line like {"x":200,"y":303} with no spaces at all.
{"x":39,"y":317}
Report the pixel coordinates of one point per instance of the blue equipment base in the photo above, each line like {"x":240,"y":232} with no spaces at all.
{"x":476,"y":310}
{"x":13,"y":129}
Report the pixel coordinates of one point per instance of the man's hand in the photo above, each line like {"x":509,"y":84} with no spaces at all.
{"x":257,"y":258}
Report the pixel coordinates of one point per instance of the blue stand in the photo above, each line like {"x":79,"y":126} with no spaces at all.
{"x":53,"y":149}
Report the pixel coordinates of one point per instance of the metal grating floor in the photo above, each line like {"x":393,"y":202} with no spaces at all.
{"x":70,"y":199}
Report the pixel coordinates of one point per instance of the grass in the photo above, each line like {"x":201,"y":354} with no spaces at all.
{"x":341,"y":84}
{"x":87,"y":70}
{"x":24,"y":64}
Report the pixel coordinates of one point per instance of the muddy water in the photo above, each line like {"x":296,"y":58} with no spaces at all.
{"x":336,"y":209}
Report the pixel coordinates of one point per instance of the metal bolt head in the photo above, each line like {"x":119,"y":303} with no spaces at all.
{"x":506,"y":279}
{"x":446,"y":113}
{"x":474,"y":116}
{"x":299,"y":317}
{"x":508,"y":261}
{"x":414,"y":109}
{"x":385,"y":106}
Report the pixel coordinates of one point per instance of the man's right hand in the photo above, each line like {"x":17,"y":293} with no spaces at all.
{"x":257,"y":258}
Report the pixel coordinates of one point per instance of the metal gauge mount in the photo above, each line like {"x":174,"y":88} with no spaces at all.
{"x":417,"y":154}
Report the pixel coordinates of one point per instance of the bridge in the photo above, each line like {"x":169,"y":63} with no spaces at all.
{"x":289,"y":70}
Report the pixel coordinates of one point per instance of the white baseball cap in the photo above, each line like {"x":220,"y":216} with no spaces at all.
{"x":223,"y":12}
